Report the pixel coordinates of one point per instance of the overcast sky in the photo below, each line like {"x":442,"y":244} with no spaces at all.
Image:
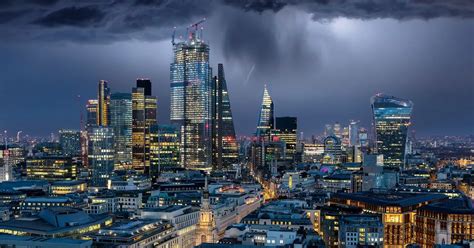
{"x":321,"y":60}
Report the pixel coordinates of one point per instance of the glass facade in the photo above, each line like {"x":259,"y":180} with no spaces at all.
{"x":121,"y":122}
{"x":70,"y":141}
{"x":266,"y":120}
{"x":286,"y":131}
{"x":103,"y":101}
{"x":101,"y":154}
{"x":190,"y":105}
{"x":143,"y":118}
{"x":225,"y":149}
{"x":164,"y":148}
{"x":91,"y":108}
{"x":391,"y":119}
{"x":51,"y":169}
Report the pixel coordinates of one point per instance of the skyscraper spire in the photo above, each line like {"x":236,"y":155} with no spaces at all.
{"x":266,"y":119}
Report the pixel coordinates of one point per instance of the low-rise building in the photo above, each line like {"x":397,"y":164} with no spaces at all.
{"x":447,"y":222}
{"x":136,"y":233}
{"x":67,"y":187}
{"x":56,"y":222}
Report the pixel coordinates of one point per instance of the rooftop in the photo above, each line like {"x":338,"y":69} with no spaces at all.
{"x":390,"y":198}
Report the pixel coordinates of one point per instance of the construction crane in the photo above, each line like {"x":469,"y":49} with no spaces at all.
{"x":194,"y":28}
{"x":196,"y":24}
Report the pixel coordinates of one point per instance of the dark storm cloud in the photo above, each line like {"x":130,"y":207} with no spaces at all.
{"x":7,"y":16}
{"x":316,"y":70}
{"x":124,"y":17}
{"x":367,"y":9}
{"x":73,"y":16}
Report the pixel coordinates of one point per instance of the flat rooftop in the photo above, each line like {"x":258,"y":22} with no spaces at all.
{"x":390,"y":198}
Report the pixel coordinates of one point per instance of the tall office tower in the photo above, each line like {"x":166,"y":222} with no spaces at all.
{"x":144,"y":83}
{"x":139,"y":160}
{"x":353,"y":133}
{"x":332,"y":150}
{"x":337,"y":130}
{"x":70,"y":141}
{"x":143,"y":118}
{"x":225,"y":149}
{"x":91,"y":117}
{"x":391,"y":118}
{"x":121,"y":122}
{"x":363,"y":139}
{"x":101,"y":154}
{"x":191,"y":101}
{"x":164,"y":148}
{"x":286,"y":131}
{"x":265,"y":119}
{"x":103,"y":101}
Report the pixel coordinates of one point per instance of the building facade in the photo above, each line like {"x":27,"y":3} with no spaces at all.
{"x":225,"y":149}
{"x":121,"y":122}
{"x":191,"y":85}
{"x":266,"y":120}
{"x":392,"y":119}
{"x":101,"y":154}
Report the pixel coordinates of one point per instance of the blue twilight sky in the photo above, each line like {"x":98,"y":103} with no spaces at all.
{"x":321,"y":60}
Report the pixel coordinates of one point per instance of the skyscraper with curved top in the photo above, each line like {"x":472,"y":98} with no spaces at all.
{"x":266,"y":121}
{"x":391,"y":119}
{"x":191,"y":77}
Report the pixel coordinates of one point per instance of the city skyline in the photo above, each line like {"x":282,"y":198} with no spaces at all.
{"x":411,"y":53}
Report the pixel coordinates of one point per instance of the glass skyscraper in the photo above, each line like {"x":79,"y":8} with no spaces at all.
{"x":164,"y":148}
{"x":266,"y":121}
{"x":103,"y":101}
{"x":70,"y":141}
{"x":391,"y":118}
{"x":225,"y":150}
{"x":121,"y":122}
{"x":101,"y":154}
{"x":191,"y":85}
{"x":286,"y":131}
{"x":91,"y":117}
{"x":143,"y":117}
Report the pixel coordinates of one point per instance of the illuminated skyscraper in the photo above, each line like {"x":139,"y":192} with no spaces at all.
{"x":101,"y":154}
{"x":225,"y":150}
{"x":391,"y":118}
{"x":70,"y":141}
{"x":286,"y":131}
{"x":353,"y":133}
{"x":266,"y":121}
{"x":164,"y":148}
{"x":121,"y":122}
{"x":143,"y":117}
{"x":91,"y":117}
{"x":191,"y":87}
{"x":103,"y":101}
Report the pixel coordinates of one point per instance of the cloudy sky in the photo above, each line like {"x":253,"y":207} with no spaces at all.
{"x":321,"y":60}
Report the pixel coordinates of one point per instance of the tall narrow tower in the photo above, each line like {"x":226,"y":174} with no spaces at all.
{"x":266,"y":121}
{"x":103,"y":99}
{"x":225,"y":150}
{"x":143,"y":118}
{"x":191,"y":108}
{"x":206,"y":228}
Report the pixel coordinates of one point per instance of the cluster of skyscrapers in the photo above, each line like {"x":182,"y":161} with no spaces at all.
{"x":122,"y":131}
